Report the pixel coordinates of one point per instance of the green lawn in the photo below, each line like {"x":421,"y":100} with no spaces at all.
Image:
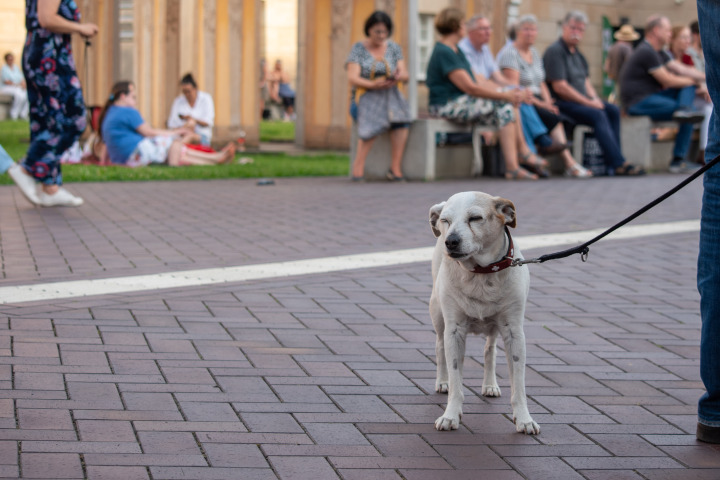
{"x":14,"y":134}
{"x":277,"y":131}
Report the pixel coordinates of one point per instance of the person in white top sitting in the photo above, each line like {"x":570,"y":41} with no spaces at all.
{"x":13,"y":83}
{"x":193,"y":109}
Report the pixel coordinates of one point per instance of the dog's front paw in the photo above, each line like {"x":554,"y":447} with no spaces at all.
{"x":447,"y":423}
{"x":491,"y":391}
{"x":441,"y":387}
{"x":527,"y":426}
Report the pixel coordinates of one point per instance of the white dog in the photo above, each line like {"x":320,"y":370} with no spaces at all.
{"x":475,"y":290}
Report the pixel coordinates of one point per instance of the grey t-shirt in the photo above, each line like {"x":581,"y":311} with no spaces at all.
{"x":562,"y":64}
{"x":636,"y":80}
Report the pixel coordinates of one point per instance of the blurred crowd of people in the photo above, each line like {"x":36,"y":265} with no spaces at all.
{"x":535,"y":99}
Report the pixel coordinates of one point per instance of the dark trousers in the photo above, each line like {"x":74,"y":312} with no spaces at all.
{"x":605,"y":122}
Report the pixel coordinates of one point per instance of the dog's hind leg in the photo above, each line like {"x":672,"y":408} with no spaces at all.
{"x":490,"y":386}
{"x":454,"y":337}
{"x":441,"y":378}
{"x":514,"y":339}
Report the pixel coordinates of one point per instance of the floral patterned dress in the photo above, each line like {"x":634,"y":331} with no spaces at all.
{"x":57,"y":108}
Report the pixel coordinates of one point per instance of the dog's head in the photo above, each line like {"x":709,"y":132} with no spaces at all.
{"x":469,"y":222}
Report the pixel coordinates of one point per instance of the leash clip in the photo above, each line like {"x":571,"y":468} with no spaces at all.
{"x":519,"y":262}
{"x":584,"y":254}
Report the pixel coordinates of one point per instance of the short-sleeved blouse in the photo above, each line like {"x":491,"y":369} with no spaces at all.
{"x":360,"y":55}
{"x":531,"y":74}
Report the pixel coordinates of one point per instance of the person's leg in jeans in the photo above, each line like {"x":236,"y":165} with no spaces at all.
{"x":607,"y":130}
{"x":708,"y":277}
{"x":532,"y":125}
{"x":612,"y":112}
{"x":661,"y":106}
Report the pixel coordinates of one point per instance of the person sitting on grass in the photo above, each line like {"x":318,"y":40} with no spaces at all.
{"x":193,"y":109}
{"x":130,"y":141}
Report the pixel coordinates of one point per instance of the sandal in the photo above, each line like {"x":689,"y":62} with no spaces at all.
{"x":629,"y":170}
{"x":533,"y":160}
{"x":538,"y":165}
{"x":578,"y":171}
{"x":394,"y":178}
{"x":520,"y":174}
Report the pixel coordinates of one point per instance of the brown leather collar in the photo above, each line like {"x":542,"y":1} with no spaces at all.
{"x":506,"y":261}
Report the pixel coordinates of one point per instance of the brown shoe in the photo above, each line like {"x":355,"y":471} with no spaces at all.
{"x":552,"y":149}
{"x":707,"y":434}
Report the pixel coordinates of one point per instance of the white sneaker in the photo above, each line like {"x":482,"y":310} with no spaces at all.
{"x":25,"y":183}
{"x":62,"y":198}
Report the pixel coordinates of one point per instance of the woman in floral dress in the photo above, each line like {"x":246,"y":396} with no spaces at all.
{"x":57,"y":108}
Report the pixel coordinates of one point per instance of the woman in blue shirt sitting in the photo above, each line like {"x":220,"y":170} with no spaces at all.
{"x":132,"y":142}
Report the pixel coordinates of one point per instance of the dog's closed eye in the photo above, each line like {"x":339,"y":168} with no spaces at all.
{"x":476,"y":218}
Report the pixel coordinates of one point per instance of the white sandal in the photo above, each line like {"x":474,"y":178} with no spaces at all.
{"x":578,"y":171}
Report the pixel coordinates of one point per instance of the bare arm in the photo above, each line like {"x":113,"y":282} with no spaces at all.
{"x":546,"y":101}
{"x":401,"y":72}
{"x":669,"y":80}
{"x":512,"y":76}
{"x":679,"y":68}
{"x":356,"y":80}
{"x":499,"y":77}
{"x":461,"y":79}
{"x":50,"y":20}
{"x":147,"y":131}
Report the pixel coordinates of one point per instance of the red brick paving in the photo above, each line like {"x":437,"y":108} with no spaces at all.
{"x":332,"y":375}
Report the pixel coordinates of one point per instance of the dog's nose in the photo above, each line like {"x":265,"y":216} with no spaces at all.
{"x":452,"y":241}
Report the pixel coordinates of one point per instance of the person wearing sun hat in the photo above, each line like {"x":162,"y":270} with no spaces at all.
{"x":618,"y":53}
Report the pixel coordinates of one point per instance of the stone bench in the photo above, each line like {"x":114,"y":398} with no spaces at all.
{"x":636,"y":141}
{"x":5,"y":106}
{"x":423,"y":159}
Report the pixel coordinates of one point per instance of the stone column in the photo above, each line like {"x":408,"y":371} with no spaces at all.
{"x":97,"y":70}
{"x":234,"y":65}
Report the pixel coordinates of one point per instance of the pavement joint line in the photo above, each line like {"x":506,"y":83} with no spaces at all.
{"x":202,"y":277}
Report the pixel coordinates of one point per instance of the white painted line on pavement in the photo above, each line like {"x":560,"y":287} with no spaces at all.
{"x":210,"y":276}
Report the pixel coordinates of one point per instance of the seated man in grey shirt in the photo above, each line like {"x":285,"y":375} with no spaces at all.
{"x":649,"y":86}
{"x":568,"y":77}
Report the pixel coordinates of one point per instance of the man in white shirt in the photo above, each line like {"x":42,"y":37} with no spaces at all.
{"x":476,"y":50}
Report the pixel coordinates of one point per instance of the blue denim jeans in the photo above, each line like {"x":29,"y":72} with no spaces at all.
{"x":661,"y":106}
{"x":5,"y":160}
{"x":605,"y":122}
{"x":532,"y":125}
{"x":708,"y":277}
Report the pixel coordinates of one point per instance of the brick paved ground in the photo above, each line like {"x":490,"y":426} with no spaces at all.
{"x":331,"y":376}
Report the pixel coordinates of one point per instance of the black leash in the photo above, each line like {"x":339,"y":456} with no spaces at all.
{"x":584,"y":249}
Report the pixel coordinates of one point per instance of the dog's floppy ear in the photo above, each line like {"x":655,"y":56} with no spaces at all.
{"x":435,"y":211}
{"x":506,"y":211}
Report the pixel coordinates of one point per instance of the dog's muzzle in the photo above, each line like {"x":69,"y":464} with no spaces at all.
{"x":453,"y":244}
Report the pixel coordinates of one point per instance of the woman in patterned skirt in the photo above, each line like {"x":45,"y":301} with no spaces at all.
{"x":57,"y":108}
{"x":456,"y":95}
{"x":377,"y":64}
